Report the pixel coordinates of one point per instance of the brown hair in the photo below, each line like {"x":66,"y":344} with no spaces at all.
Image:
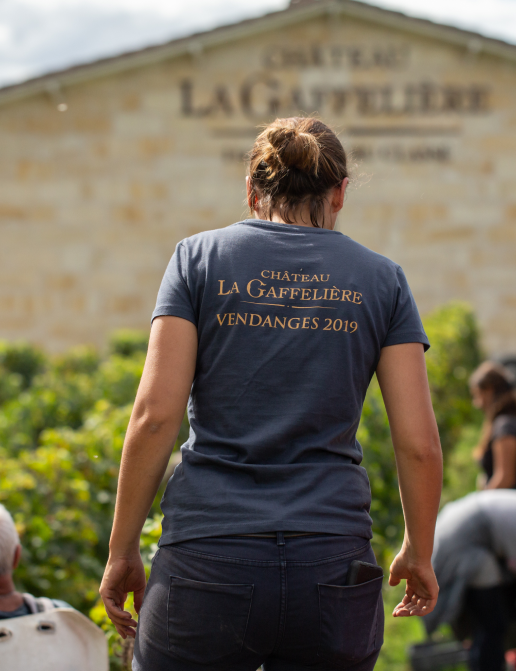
{"x":493,"y":376}
{"x":294,"y":162}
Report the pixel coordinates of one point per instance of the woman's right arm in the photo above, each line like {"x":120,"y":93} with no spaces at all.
{"x":153,"y":429}
{"x":403,"y":380}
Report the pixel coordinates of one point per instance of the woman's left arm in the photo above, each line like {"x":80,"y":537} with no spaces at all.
{"x":504,"y":463}
{"x":152,"y":432}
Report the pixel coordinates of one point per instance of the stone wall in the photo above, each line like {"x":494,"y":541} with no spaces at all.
{"x":94,"y":198}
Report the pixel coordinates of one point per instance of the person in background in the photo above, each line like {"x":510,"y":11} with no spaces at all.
{"x":12,"y":602}
{"x":492,"y":389}
{"x":475,"y":563}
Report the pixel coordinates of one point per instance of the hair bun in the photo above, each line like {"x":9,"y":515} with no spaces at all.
{"x":295,"y":148}
{"x":293,"y":165}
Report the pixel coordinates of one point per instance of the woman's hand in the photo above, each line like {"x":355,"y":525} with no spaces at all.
{"x":422,"y":588}
{"x":123,"y":575}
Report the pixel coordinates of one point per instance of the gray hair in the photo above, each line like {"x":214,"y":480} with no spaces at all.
{"x":8,"y":540}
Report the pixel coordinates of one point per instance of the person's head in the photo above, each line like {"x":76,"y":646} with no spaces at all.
{"x":492,"y":389}
{"x":10,"y":548}
{"x":297,"y":172}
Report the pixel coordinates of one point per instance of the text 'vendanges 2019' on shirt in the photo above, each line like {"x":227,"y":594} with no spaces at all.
{"x":266,"y":289}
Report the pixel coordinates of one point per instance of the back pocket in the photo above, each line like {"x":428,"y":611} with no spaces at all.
{"x":351,"y":621}
{"x":207,"y":621}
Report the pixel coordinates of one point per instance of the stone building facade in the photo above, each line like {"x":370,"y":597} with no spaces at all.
{"x":105,"y":167}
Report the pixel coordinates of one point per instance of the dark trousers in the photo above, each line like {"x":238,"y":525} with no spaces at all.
{"x":486,"y":607}
{"x":235,"y":603}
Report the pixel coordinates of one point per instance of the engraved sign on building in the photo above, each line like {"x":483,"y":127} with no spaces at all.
{"x":105,"y":167}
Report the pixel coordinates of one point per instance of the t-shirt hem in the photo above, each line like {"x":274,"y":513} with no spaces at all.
{"x":408,"y":336}
{"x":207,"y":531}
{"x":171,"y":311}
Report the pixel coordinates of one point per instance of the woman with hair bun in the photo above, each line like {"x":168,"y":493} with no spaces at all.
{"x":271,"y":330}
{"x":493,"y":392}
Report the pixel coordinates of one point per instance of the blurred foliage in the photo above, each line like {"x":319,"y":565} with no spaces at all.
{"x":62,"y":426}
{"x":119,"y":376}
{"x":61,"y":495}
{"x":11,"y":385}
{"x":60,"y":444}
{"x":461,"y":470}
{"x":455,"y":353}
{"x":81,"y":359}
{"x":64,"y":391}
{"x":127,"y":342}
{"x":21,"y":358}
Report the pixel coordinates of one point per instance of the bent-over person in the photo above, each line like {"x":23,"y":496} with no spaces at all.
{"x":475,"y":563}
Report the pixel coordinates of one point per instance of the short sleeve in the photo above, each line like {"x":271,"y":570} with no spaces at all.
{"x":504,"y":425}
{"x":174,"y":297}
{"x":405,"y":324}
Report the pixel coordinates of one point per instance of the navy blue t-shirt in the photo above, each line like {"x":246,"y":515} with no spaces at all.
{"x":291,"y":321}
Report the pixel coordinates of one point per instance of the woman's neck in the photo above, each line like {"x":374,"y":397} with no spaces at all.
{"x":301,"y":218}
{"x":298,"y":221}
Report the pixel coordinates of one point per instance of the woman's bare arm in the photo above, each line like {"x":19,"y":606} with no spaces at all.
{"x":403,"y":380}
{"x":153,"y":429}
{"x":504,"y":462}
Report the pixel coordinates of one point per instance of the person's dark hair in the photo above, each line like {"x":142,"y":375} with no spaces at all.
{"x":294,"y":162}
{"x":493,"y":376}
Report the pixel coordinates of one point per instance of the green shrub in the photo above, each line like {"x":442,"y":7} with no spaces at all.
{"x":461,"y":470}
{"x":53,"y":400}
{"x":127,"y":342}
{"x":454,"y":354}
{"x":21,"y":358}
{"x":80,"y":359}
{"x":60,"y":445}
{"x":118,"y":378}
{"x":61,"y":495}
{"x":11,"y":384}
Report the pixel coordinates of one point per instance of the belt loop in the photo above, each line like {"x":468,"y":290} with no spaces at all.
{"x":280,"y":539}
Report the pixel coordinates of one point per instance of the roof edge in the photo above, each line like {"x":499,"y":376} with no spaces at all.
{"x":51,"y":83}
